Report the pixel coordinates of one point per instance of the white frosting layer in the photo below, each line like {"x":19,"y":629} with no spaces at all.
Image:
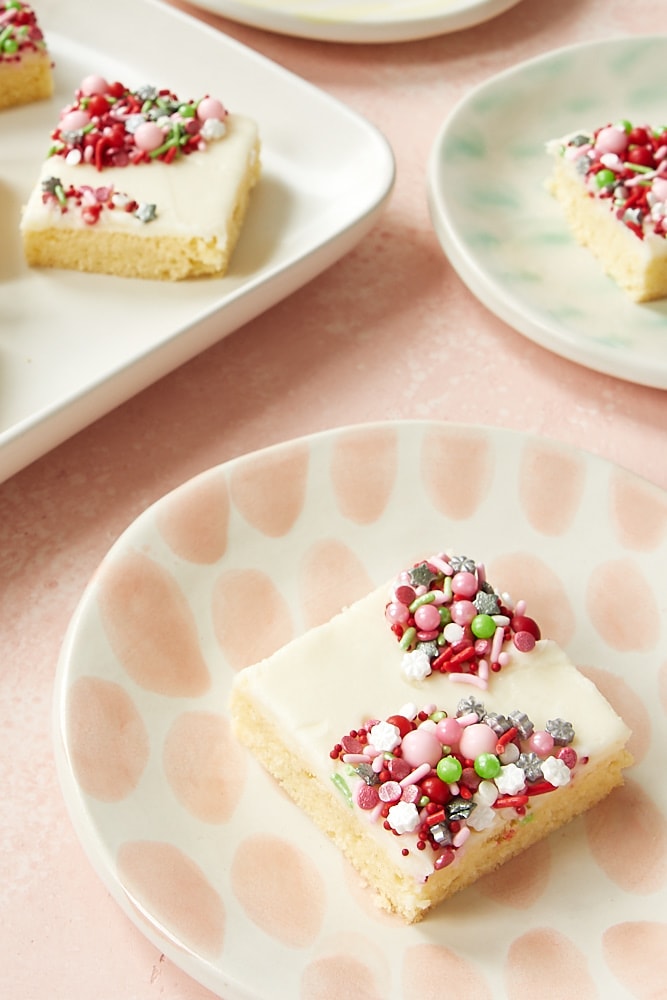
{"x":194,"y":195}
{"x":336,"y":677}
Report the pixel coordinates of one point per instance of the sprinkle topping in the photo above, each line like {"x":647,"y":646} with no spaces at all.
{"x":91,"y":202}
{"x":19,"y":31}
{"x":624,"y":166}
{"x":111,"y":125}
{"x":448,"y":777}
{"x":447,"y":618}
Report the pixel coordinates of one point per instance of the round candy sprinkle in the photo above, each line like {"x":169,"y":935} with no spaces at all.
{"x":420,"y":745}
{"x":477,"y":739}
{"x":93,"y":84}
{"x":449,"y":732}
{"x":148,"y":136}
{"x":483,"y":626}
{"x":541,"y":742}
{"x":487,"y":765}
{"x":612,"y":139}
{"x":604,"y":178}
{"x":449,"y":770}
{"x":427,"y":617}
{"x":209,"y":107}
{"x":72,"y":121}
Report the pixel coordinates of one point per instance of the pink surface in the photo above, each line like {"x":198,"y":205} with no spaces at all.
{"x":388,"y":332}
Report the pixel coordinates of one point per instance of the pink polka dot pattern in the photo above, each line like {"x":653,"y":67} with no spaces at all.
{"x":551,"y":483}
{"x":332,"y":576}
{"x":250,"y":616}
{"x":204,"y":765}
{"x":630,"y":624}
{"x":107,"y":738}
{"x":194,"y":523}
{"x":639,"y":512}
{"x":280,"y":889}
{"x":628,"y":838}
{"x":427,"y":967}
{"x":340,"y":976}
{"x":161,"y":877}
{"x":520,"y":883}
{"x":456,"y":470}
{"x":151,"y":627}
{"x":548,"y":964}
{"x":214,"y":862}
{"x":369,"y":456}
{"x":525,"y":576}
{"x":269,"y":489}
{"x":635,"y":953}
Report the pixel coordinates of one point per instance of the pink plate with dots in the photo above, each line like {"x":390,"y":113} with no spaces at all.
{"x":216,"y":866}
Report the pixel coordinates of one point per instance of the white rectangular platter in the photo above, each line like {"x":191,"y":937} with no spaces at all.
{"x":72,"y":345}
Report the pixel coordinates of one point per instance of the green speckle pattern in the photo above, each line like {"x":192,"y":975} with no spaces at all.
{"x":504,"y":232}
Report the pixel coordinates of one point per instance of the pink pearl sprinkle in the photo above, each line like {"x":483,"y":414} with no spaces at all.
{"x":477,"y":739}
{"x":93,"y":84}
{"x":421,"y":746}
{"x":448,"y":732}
{"x":611,"y":140}
{"x":396,"y":614}
{"x":148,"y":137}
{"x":541,"y":742}
{"x":74,"y":120}
{"x":464,"y":584}
{"x":427,"y":617}
{"x":210,"y":107}
{"x":463,"y":612}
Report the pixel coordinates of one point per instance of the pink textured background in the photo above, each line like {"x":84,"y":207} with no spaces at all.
{"x":388,"y":332}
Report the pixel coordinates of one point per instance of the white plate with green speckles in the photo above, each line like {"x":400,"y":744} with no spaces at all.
{"x":505,"y":235}
{"x":369,"y":21}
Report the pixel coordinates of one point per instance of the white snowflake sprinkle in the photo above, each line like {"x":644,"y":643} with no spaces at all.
{"x":416,"y":665}
{"x":556,"y":771}
{"x":403,"y":817}
{"x":511,"y":780}
{"x":384,"y":737}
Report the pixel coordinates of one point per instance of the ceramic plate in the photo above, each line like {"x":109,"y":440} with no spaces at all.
{"x":504,"y":233}
{"x":369,"y":21}
{"x":198,"y":846}
{"x":72,"y":346}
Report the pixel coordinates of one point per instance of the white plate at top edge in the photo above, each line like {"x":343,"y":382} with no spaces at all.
{"x":72,"y":345}
{"x":190,"y":852}
{"x":503,"y":232}
{"x":369,"y":22}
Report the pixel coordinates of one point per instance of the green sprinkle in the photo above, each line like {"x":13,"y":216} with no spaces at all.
{"x":445,"y":615}
{"x":637,"y":167}
{"x":408,"y":637}
{"x":427,"y":598}
{"x":343,"y":787}
{"x":605,"y":177}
